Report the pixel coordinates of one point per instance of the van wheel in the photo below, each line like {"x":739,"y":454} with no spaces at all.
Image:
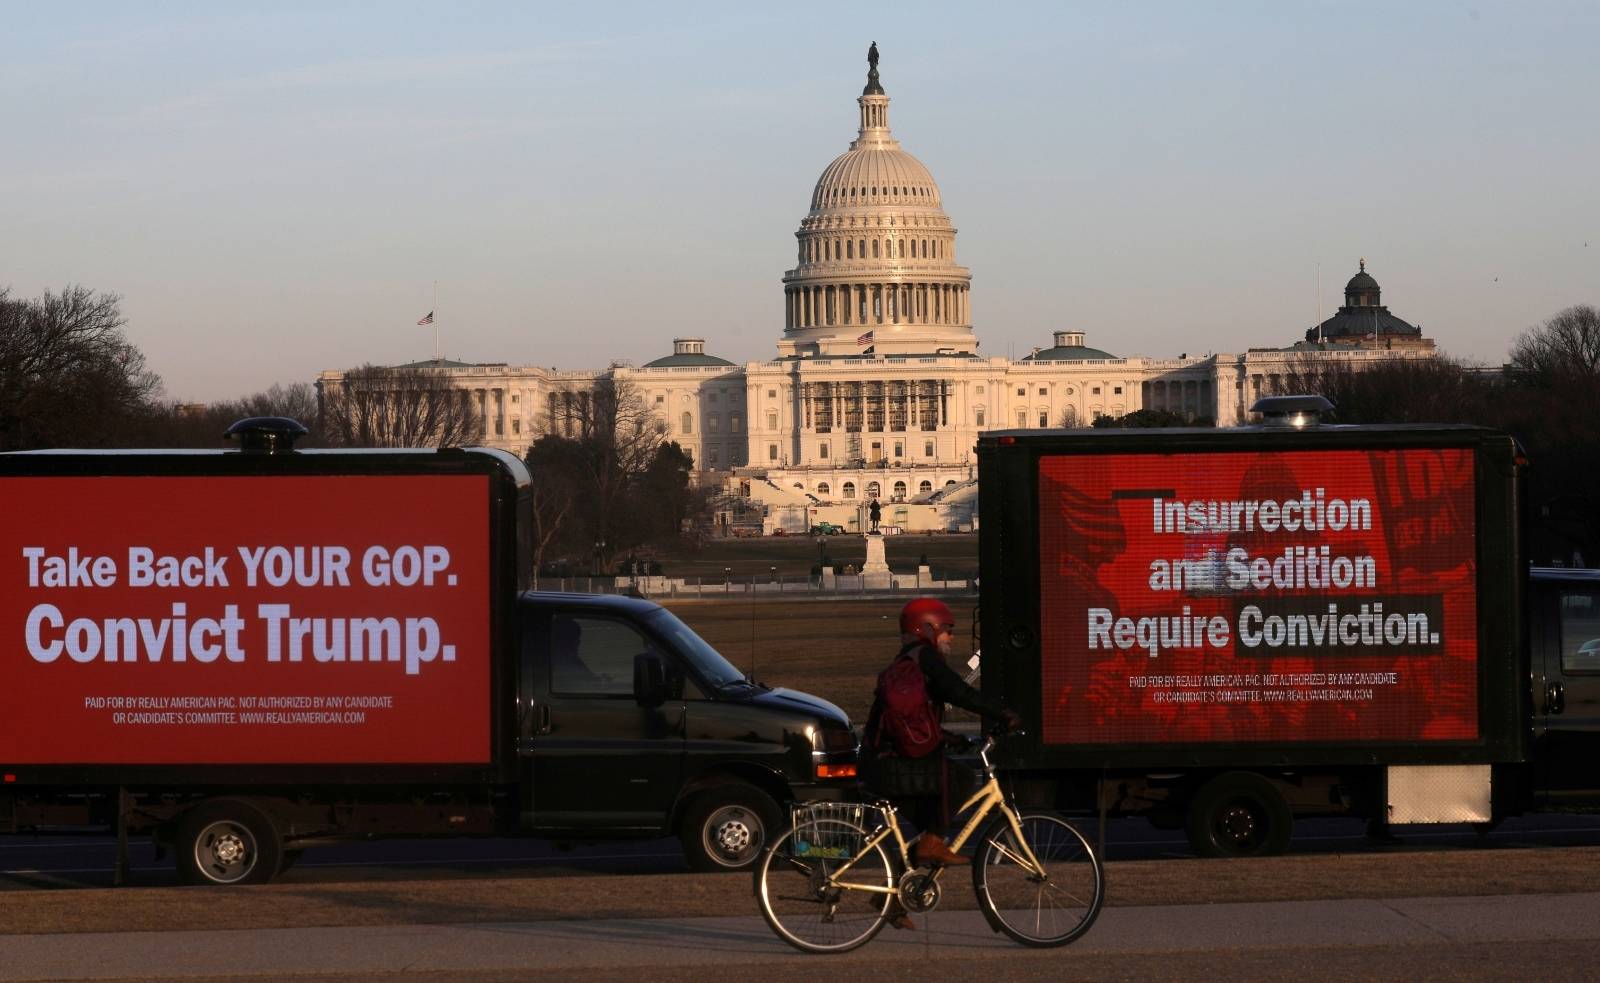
{"x":725,"y":828}
{"x":1239,"y":814}
{"x":225,"y":842}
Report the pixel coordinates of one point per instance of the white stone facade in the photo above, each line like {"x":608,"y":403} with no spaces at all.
{"x":878,"y":389}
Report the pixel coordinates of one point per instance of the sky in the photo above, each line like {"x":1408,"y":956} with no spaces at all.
{"x":274,"y":190}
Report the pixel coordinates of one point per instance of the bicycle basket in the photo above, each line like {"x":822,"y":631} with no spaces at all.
{"x":832,"y":830}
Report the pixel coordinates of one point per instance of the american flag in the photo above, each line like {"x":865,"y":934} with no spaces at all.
{"x":428,"y":319}
{"x":865,"y":339}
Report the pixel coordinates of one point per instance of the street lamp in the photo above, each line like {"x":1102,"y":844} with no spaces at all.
{"x":774,"y":570}
{"x":599,"y":551}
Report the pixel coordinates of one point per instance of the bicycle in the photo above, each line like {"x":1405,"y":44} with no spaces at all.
{"x":829,"y":885}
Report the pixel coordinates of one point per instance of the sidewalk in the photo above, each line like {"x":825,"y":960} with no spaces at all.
{"x":566,"y":947}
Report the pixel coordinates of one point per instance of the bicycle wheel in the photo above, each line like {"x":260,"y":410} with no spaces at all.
{"x":809,"y":904}
{"x":1043,"y":907}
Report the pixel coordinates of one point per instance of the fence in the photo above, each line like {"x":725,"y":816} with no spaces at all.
{"x":763,"y":585}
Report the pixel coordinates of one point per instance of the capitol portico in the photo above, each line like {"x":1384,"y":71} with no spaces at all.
{"x":878,"y":388}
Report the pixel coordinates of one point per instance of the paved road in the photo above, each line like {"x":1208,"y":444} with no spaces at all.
{"x":64,"y":861}
{"x":1473,"y":937}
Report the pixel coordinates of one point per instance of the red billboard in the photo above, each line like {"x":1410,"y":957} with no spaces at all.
{"x":1243,"y":597}
{"x":268,"y":620}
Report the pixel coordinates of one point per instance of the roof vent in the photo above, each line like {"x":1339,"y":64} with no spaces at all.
{"x":1297,"y":412}
{"x":266,"y":434}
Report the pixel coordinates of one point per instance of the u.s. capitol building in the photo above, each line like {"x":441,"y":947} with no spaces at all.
{"x":877,"y":389}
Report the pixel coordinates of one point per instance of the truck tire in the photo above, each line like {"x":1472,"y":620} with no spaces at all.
{"x":726,"y":827}
{"x":1239,"y":814}
{"x":225,"y":842}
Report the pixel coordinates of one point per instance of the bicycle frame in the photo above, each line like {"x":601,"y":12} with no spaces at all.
{"x":984,"y":801}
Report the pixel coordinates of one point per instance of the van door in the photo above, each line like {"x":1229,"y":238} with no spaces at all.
{"x":1567,"y":637}
{"x":596,"y":759}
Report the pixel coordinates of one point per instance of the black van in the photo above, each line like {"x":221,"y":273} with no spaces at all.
{"x":640,"y":728}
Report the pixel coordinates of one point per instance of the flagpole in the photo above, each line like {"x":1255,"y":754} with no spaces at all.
{"x":436,"y":356}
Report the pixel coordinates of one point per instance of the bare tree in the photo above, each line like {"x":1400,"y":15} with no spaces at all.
{"x":373,"y":406}
{"x":1394,"y":390}
{"x":68,"y":376}
{"x":175,"y":424}
{"x":1566,"y":346}
{"x":598,"y":447}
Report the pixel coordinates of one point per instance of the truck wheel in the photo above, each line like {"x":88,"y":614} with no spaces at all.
{"x":727,"y":827}
{"x":226,"y":842}
{"x":1239,"y":814}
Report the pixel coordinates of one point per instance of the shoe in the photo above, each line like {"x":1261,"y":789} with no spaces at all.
{"x":931,"y":849}
{"x":901,"y":919}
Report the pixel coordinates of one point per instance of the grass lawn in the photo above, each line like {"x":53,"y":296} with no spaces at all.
{"x":951,"y":555}
{"x":831,"y":647}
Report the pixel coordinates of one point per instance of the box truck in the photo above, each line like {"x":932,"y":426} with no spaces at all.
{"x":245,"y":653}
{"x":1223,"y":630}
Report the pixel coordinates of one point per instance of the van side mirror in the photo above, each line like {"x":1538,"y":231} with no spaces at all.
{"x":649,"y":681}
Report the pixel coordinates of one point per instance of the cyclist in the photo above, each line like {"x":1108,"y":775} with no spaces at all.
{"x":900,"y":761}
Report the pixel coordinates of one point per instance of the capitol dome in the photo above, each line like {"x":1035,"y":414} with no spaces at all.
{"x":876,"y":271}
{"x":875,"y":176}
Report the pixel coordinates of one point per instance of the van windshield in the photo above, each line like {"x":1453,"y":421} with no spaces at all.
{"x":716,"y":670}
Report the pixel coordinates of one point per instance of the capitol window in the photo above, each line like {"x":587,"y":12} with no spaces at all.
{"x":1022,"y":418}
{"x":733,"y":423}
{"x":872,"y":489}
{"x":925,"y":487}
{"x":978,"y":416}
{"x":979,"y":391}
{"x":849,"y":489}
{"x":1044,"y":419}
{"x":822,"y":449}
{"x":899,"y":448}
{"x":823,"y":489}
{"x":1096,"y":390}
{"x":688,"y":423}
{"x":772,"y":452}
{"x":772,"y":420}
{"x":1043,"y":391}
{"x":1022,"y":391}
{"x":714,"y":423}
{"x":927,"y":448}
{"x":1117,"y":390}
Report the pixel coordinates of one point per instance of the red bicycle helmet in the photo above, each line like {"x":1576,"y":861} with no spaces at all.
{"x":925,"y":618}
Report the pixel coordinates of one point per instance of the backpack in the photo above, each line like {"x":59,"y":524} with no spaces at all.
{"x":908,"y":723}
